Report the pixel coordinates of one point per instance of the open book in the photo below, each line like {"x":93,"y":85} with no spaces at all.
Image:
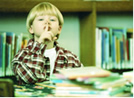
{"x":84,"y":72}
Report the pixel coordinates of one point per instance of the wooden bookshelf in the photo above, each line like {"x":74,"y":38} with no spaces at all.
{"x":87,"y":12}
{"x":87,"y":37}
{"x":67,"y":5}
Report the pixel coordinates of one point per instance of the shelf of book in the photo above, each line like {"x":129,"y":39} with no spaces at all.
{"x":10,"y":44}
{"x":88,"y":45}
{"x":114,"y":48}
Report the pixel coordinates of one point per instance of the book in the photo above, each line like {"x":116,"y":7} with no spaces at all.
{"x":105,"y":30}
{"x":2,"y":53}
{"x":10,"y":51}
{"x":25,"y":38}
{"x":129,"y":46}
{"x":108,"y":82}
{"x":18,"y":42}
{"x":74,"y":73}
{"x":121,"y":54}
{"x":98,"y":47}
{"x":131,"y":52}
{"x":11,"y":35}
{"x":106,"y":48}
{"x":113,"y":85}
{"x":32,"y":90}
{"x":103,"y":50}
{"x":118,"y":35}
{"x":91,"y":92}
{"x":118,"y":54}
{"x":113,"y":52}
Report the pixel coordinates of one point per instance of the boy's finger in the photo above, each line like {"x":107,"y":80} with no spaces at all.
{"x":55,"y":38}
{"x":46,"y":28}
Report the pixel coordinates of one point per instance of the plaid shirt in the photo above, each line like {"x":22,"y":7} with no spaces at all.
{"x":31,"y":66}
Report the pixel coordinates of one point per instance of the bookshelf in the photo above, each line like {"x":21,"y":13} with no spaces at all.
{"x":87,"y":14}
{"x":87,"y":37}
{"x":88,"y":24}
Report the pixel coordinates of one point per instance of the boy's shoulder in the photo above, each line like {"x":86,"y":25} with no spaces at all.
{"x":64,"y":51}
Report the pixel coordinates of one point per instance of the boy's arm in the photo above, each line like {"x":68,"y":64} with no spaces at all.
{"x":74,"y":61}
{"x":30,"y":66}
{"x":71,"y":60}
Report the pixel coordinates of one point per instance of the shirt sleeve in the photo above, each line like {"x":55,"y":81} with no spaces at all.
{"x":30,"y":65}
{"x":72,"y":59}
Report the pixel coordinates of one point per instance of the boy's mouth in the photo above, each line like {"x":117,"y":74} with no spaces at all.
{"x":49,"y":28}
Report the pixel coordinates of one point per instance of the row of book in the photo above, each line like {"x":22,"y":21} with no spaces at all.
{"x":91,"y":82}
{"x":10,"y":44}
{"x":114,"y":48}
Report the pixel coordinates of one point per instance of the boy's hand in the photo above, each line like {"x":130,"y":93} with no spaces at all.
{"x":47,"y":36}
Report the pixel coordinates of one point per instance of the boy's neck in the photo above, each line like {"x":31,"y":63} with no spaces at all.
{"x":50,"y":45}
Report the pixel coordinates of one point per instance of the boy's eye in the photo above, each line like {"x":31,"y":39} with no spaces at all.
{"x":52,"y":19}
{"x":40,"y":19}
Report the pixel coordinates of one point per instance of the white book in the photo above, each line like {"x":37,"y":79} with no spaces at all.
{"x":98,"y":47}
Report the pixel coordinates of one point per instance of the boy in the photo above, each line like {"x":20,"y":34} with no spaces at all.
{"x":42,"y":57}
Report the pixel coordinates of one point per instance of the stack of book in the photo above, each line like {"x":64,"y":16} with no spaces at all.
{"x":114,"y":48}
{"x":10,"y":44}
{"x":31,"y":90}
{"x":90,"y":82}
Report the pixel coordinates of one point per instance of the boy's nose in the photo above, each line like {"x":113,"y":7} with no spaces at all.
{"x":47,"y":22}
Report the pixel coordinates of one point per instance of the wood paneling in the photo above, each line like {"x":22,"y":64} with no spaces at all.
{"x":87,"y":37}
{"x":66,"y":5}
{"x":114,"y":6}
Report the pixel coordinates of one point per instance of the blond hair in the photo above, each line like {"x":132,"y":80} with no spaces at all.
{"x":42,"y":9}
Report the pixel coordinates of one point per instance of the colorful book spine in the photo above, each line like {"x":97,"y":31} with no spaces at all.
{"x":18,"y":42}
{"x":103,"y":50}
{"x":2,"y":53}
{"x":131,"y":52}
{"x":9,"y":46}
{"x":11,"y":36}
{"x":106,"y":48}
{"x":121,"y":54}
{"x":115,"y":48}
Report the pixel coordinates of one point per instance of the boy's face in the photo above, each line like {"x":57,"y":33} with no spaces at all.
{"x":41,"y":23}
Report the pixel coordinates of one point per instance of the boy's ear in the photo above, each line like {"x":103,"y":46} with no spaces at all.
{"x":60,"y":27}
{"x":31,"y":30}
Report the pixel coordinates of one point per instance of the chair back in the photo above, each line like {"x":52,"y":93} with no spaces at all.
{"x":6,"y":88}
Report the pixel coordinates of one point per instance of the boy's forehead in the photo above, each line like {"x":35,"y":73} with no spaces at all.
{"x":43,"y":13}
{"x":46,"y":14}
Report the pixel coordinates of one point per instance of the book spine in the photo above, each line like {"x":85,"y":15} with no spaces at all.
{"x":103,"y":51}
{"x":114,"y":51}
{"x":98,"y":47}
{"x":106,"y":48}
{"x":1,"y":45}
{"x":131,"y":52}
{"x":121,"y":54}
{"x":2,"y":56}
